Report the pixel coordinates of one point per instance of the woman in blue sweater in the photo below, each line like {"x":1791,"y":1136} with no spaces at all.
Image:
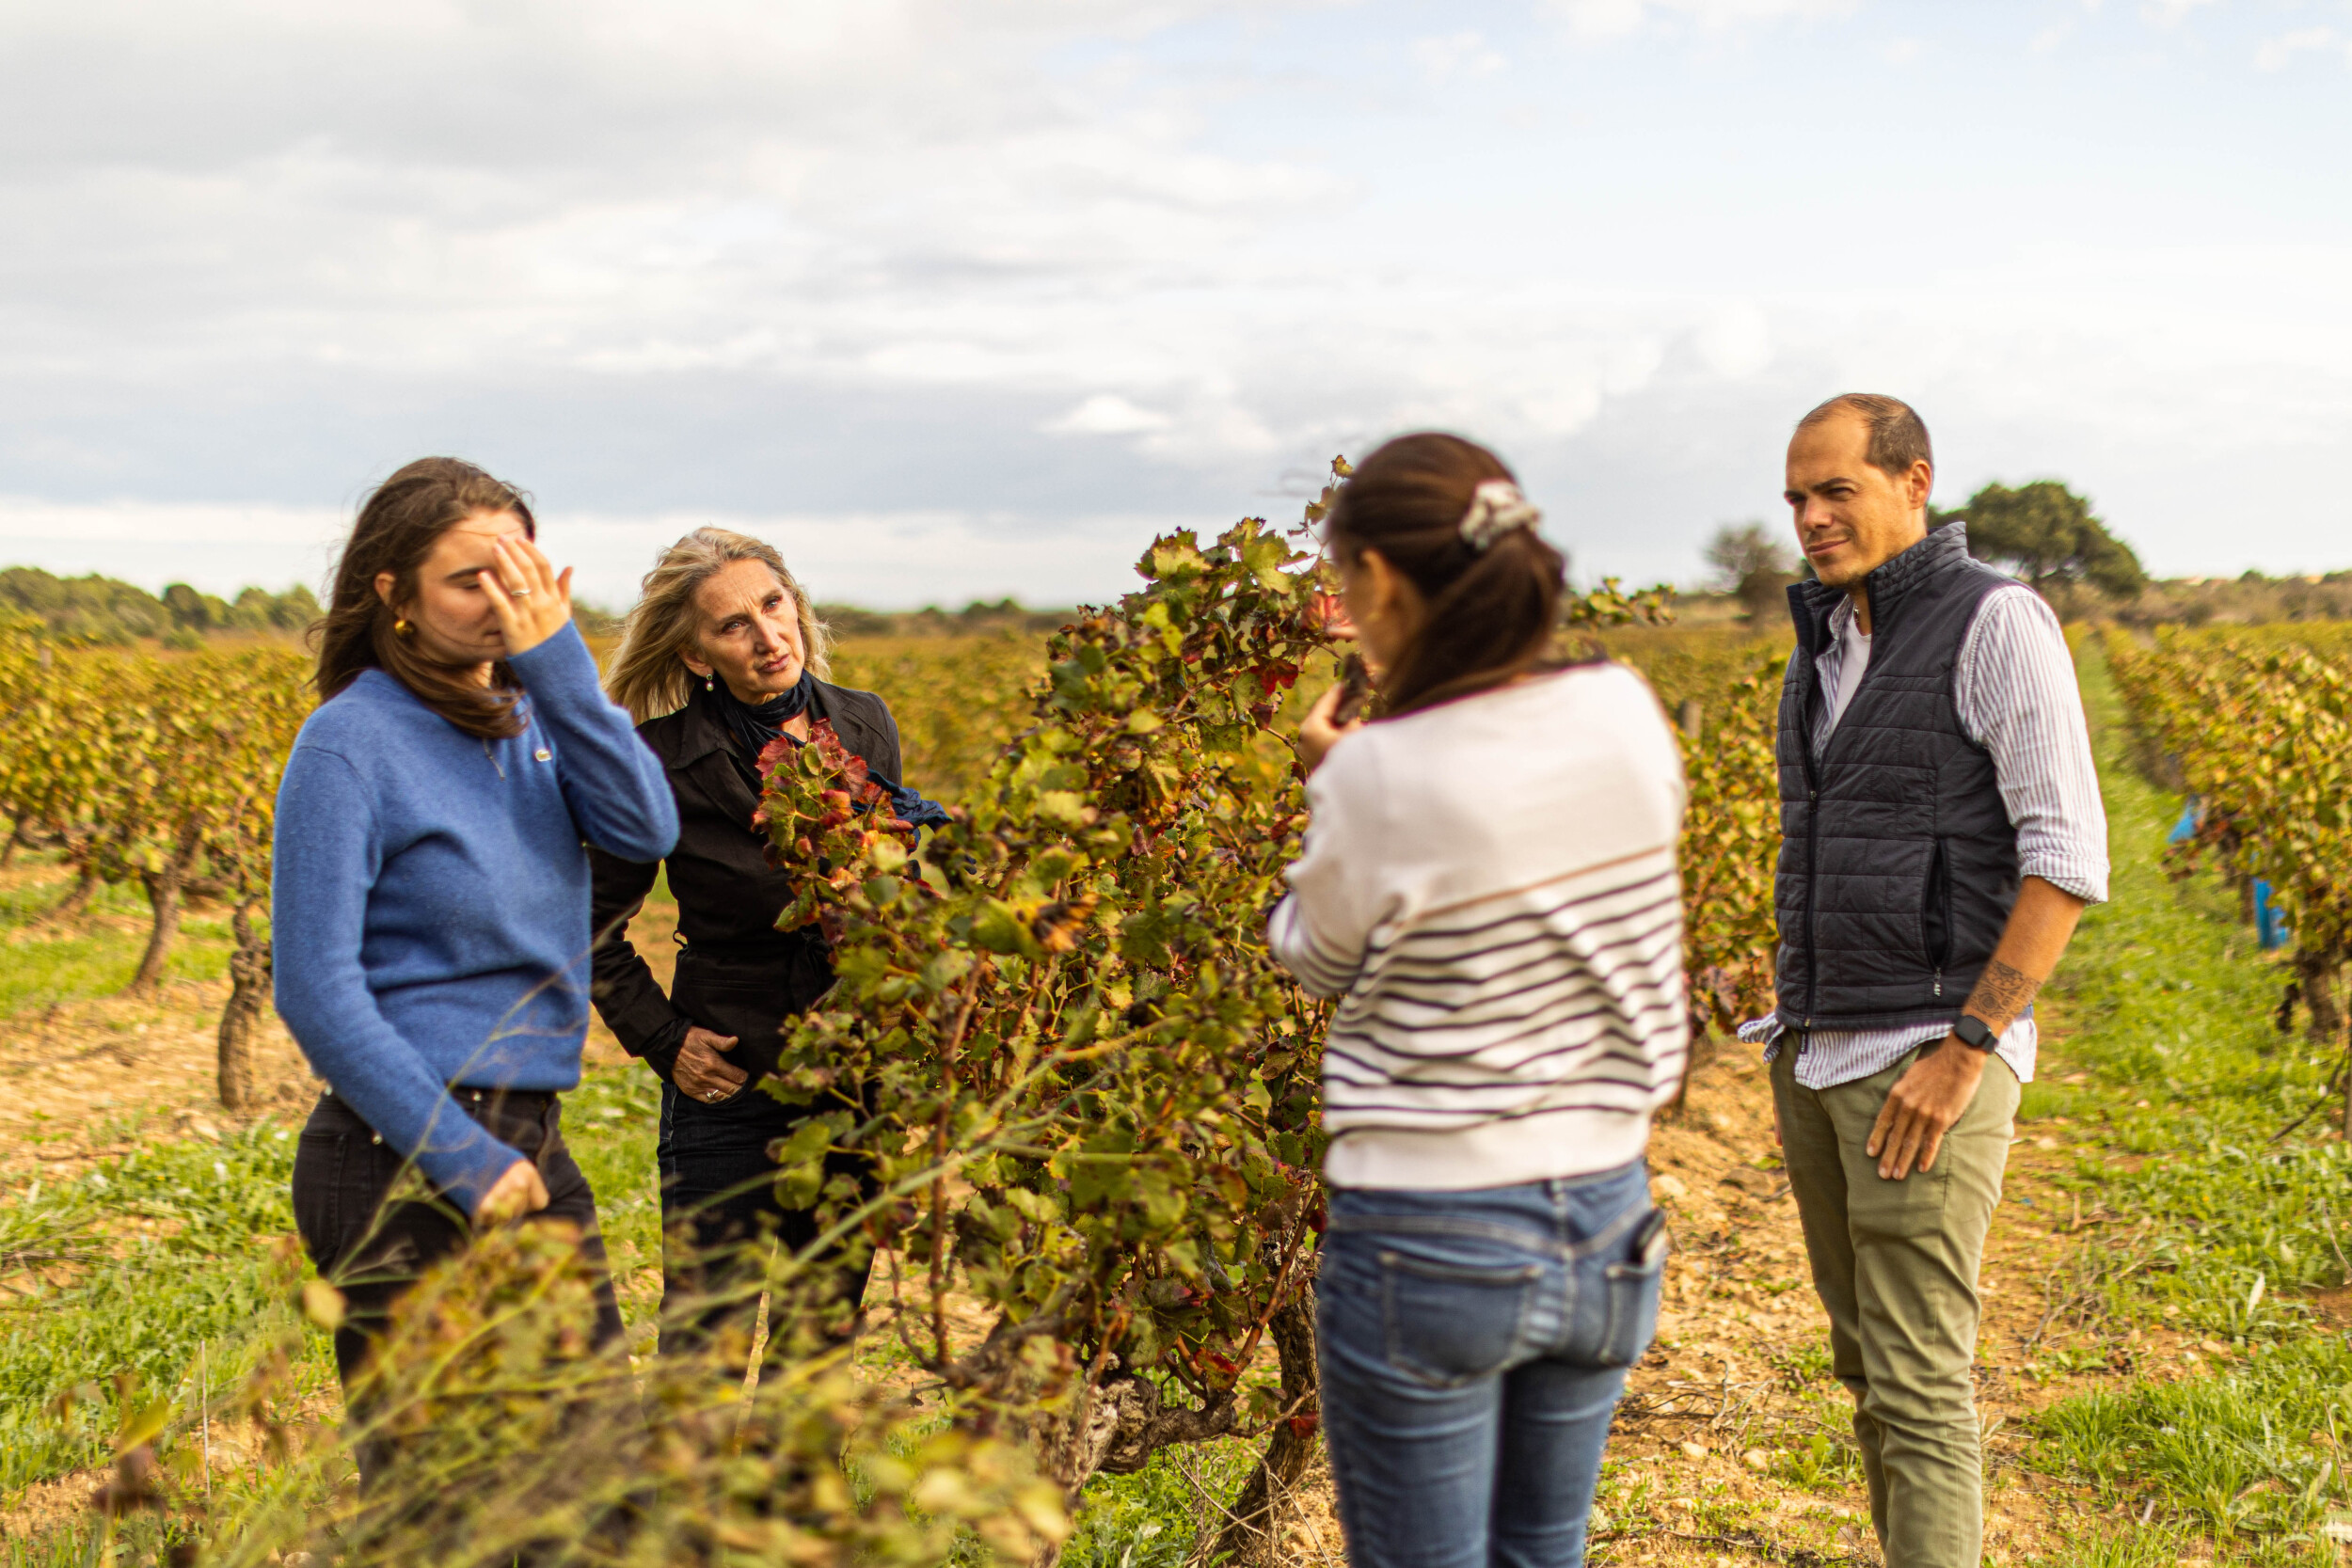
{"x":430,"y":900}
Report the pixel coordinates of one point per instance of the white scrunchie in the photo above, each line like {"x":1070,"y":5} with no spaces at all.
{"x":1496,"y":508}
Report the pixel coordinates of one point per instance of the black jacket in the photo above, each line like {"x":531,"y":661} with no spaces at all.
{"x":1897,"y":859}
{"x":736,"y":974}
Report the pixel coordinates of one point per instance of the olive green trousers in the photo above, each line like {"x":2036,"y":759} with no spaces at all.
{"x":1895,"y":1266}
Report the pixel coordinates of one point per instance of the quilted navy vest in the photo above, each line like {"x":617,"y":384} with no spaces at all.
{"x":1897,"y":860}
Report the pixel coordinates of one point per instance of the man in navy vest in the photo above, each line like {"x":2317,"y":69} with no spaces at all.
{"x":1941,"y":833}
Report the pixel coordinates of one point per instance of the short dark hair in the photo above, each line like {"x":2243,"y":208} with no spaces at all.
{"x":1898,"y":438}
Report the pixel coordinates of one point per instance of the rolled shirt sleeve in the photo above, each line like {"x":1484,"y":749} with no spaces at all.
{"x":2015,"y":688}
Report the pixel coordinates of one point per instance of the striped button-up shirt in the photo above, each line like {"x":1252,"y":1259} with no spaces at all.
{"x":2014,"y":687}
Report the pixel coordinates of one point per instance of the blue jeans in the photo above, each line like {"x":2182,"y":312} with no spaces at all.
{"x":1472,"y":1348}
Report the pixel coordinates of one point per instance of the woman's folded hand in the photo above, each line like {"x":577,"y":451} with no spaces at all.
{"x":702,"y":1074}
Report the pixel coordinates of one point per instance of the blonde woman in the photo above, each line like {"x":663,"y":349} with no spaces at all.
{"x":722,"y":654}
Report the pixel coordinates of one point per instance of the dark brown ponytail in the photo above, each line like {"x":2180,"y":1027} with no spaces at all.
{"x":397,"y":528}
{"x":1492,"y":611}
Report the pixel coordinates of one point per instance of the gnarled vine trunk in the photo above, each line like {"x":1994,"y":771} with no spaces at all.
{"x":78,"y":897}
{"x":2315,"y":977}
{"x":248,"y":993}
{"x":1253,"y":1532}
{"x":164,"y":898}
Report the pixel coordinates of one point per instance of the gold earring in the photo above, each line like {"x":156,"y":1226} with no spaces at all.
{"x":402,"y":627}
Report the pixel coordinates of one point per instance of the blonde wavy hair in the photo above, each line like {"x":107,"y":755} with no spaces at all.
{"x":647,"y":673}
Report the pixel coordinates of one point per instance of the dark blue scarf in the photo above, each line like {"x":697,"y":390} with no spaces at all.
{"x":754,"y":725}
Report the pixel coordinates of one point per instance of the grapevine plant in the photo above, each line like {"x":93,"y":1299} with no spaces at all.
{"x":1089,"y":1093}
{"x":1091,"y":1096}
{"x":162,"y":772}
{"x":2264,"y":733}
{"x":1730,"y":836}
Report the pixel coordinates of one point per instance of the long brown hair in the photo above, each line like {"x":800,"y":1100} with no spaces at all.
{"x":647,"y":674}
{"x":397,"y":528}
{"x":1492,"y":610}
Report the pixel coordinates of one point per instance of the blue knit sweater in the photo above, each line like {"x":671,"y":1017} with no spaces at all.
{"x":429,"y":904}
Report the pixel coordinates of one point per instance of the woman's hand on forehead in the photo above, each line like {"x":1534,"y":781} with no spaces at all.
{"x":530,"y":599}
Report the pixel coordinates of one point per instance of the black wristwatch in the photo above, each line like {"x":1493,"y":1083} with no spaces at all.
{"x":1973,"y":1030}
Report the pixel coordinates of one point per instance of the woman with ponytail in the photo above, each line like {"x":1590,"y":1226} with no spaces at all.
{"x":1488,"y":886}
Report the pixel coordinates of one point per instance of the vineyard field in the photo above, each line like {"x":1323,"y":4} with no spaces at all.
{"x":2166,"y":1295}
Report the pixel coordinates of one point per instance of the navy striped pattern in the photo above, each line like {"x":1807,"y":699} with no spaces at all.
{"x":1541,"y":1002}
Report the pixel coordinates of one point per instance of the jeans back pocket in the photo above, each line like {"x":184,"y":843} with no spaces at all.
{"x":1633,"y":1286}
{"x":1450,"y":1323}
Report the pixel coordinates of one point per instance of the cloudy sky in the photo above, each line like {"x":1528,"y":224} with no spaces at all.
{"x":959,"y":298}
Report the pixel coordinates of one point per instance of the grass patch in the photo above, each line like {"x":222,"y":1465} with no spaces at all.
{"x":1832,"y":1465}
{"x":2255,"y":1450}
{"x":128,"y":1270}
{"x":1157,"y":1516}
{"x":97,"y":955}
{"x":612,"y":1122}
{"x":2149,"y":1547}
{"x":2228,"y":1215}
{"x":133,"y":1266}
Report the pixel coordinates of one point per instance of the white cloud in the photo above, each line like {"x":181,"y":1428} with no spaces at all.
{"x":1466,"y":53}
{"x":624,"y":188}
{"x":1106,"y":414}
{"x":887,"y":560}
{"x":1737,"y":342}
{"x":1902,"y":52}
{"x":2168,"y":13}
{"x":1620,"y":18}
{"x":130,"y":522}
{"x":217,"y":547}
{"x":2275,"y":53}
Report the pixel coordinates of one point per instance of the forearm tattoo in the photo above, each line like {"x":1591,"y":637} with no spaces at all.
{"x":2002,"y":992}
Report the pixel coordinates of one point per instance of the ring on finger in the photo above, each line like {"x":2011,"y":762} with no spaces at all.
{"x":519,"y":592}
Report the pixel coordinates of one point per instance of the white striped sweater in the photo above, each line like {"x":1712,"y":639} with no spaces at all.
{"x":1489,"y":887}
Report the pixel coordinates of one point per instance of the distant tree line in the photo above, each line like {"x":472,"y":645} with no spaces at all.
{"x":107,"y":611}
{"x":104,"y":612}
{"x":978,"y":617}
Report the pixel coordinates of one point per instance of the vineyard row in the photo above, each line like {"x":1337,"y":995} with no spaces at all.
{"x":160,"y":773}
{"x":2257,"y":722}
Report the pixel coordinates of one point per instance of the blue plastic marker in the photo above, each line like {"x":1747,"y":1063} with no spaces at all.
{"x":2270,"y":925}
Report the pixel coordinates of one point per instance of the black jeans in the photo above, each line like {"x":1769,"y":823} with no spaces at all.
{"x":720,"y":1207}
{"x":374,"y":1253}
